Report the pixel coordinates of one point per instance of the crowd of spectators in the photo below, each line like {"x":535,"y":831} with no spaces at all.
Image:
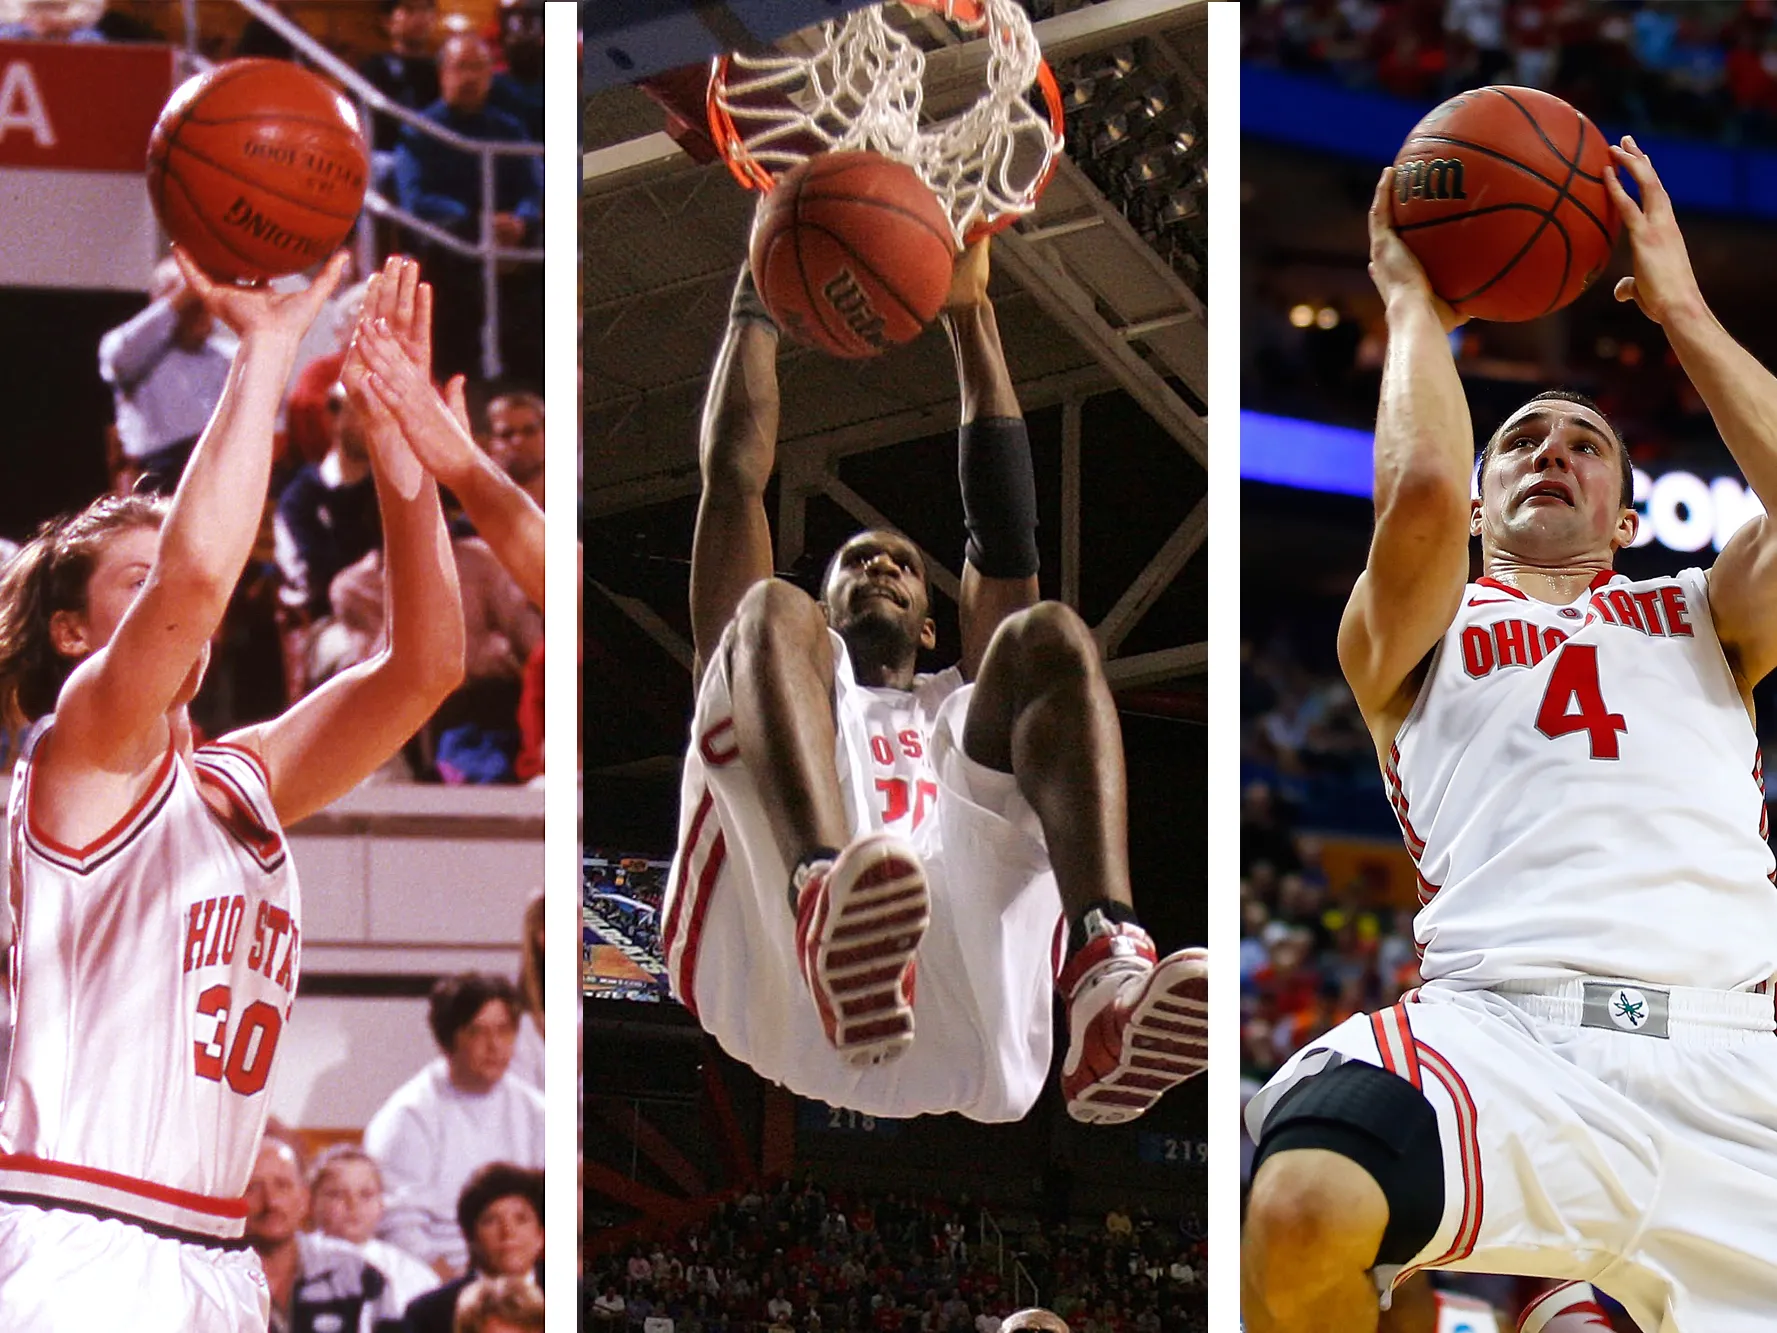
{"x":310,"y":603}
{"x":798,"y":1258}
{"x":1700,"y":69}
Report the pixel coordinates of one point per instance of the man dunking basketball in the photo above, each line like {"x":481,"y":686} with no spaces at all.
{"x":868,"y":901}
{"x":1583,"y":1087}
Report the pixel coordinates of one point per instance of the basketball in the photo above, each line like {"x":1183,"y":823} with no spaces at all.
{"x":258,"y":169}
{"x":852,"y":253}
{"x":1500,"y":193}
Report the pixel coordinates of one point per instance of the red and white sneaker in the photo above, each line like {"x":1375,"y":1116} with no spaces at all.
{"x":859,"y":920}
{"x":1136,"y":1026}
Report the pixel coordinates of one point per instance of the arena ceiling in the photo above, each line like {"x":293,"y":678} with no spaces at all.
{"x":1105,"y":340}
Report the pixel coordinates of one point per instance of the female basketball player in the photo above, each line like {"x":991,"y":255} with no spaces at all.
{"x":155,"y":913}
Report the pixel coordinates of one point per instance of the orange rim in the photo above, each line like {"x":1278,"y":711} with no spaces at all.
{"x":753,"y":174}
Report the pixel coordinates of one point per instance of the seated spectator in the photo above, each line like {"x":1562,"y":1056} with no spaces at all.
{"x":166,"y":368}
{"x":56,"y":21}
{"x":327,"y":519}
{"x":442,"y":185}
{"x":314,"y":1281}
{"x":608,"y":1307}
{"x":515,"y":440}
{"x":518,"y":89}
{"x":499,"y":1305}
{"x":407,"y":73}
{"x":500,"y":1219}
{"x":260,"y":39}
{"x":460,"y":1112}
{"x":346,"y":1202}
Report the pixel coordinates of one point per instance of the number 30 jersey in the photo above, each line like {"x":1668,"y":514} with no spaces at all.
{"x":152,"y":975}
{"x":1581,"y":789}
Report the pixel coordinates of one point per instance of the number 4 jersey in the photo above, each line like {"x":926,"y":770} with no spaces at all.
{"x":152,"y":974}
{"x":1581,"y":789}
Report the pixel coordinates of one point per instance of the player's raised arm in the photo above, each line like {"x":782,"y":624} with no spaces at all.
{"x":731,"y":546}
{"x":1418,"y":564}
{"x":993,"y":465}
{"x":114,"y":705}
{"x":1742,"y":399}
{"x":330,"y":741}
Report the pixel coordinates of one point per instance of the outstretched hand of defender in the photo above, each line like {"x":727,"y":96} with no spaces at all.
{"x":1394,"y":268}
{"x":435,"y":426}
{"x":1664,"y":284}
{"x":261,"y":311}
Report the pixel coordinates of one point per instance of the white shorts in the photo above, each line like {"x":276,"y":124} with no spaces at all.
{"x":1644,"y":1164}
{"x":987,"y":964}
{"x":70,"y":1272}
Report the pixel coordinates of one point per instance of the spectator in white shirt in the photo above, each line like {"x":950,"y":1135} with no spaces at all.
{"x":346,"y":1202}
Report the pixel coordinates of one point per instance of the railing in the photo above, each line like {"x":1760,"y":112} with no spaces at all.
{"x":1021,"y":1279}
{"x":487,"y":250}
{"x":999,"y":1242}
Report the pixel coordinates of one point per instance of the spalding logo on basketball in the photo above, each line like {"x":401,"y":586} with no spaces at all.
{"x":258,"y":169}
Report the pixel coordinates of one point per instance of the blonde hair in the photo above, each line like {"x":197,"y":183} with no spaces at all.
{"x":530,"y":975}
{"x":48,"y":575}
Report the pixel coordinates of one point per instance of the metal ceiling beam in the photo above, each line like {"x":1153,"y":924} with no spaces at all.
{"x":1185,"y":542}
{"x":1133,"y":673}
{"x":1040,"y":273}
{"x":649,"y":621}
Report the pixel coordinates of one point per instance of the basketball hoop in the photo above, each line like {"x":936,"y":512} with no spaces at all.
{"x":862,"y":88}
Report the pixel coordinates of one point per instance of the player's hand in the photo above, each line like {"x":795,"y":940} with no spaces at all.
{"x":436,"y":430}
{"x":1394,"y":268}
{"x":260,"y":311}
{"x":1664,"y":286}
{"x":968,"y":282}
{"x":399,"y":297}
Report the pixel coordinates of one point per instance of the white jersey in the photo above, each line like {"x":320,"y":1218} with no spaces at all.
{"x":152,"y":974}
{"x":987,"y":963}
{"x":1581,"y":789}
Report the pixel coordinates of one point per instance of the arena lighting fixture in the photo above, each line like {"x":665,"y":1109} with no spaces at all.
{"x":1326,"y":318}
{"x":1136,"y":132}
{"x":1301,"y":315}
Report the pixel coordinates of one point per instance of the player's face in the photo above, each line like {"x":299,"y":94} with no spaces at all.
{"x":1552,"y":488}
{"x":276,"y":1199}
{"x":348,"y":1201}
{"x":483,"y":1048}
{"x":120,"y":572}
{"x":878,"y":578}
{"x":508,"y":1237}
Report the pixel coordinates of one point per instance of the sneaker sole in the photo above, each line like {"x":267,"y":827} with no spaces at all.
{"x":1165,"y":1042}
{"x":865,"y":937}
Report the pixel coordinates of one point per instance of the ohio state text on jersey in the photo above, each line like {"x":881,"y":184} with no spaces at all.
{"x":1581,"y":789}
{"x":152,"y":976}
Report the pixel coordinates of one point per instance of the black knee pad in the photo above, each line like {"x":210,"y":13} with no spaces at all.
{"x":1385,"y":1125}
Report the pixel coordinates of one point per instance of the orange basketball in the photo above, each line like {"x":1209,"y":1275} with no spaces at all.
{"x":1500,"y":193}
{"x":852,"y":253}
{"x":258,"y":169}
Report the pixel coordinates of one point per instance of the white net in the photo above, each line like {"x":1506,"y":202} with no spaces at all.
{"x":863,"y":89}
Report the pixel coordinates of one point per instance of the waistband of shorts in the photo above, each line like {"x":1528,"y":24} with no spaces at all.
{"x":1692,"y":1015}
{"x":51,"y":1203}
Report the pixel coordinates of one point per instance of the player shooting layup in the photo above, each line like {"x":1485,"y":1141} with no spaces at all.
{"x":1584,"y":1086}
{"x":155,"y":912}
{"x":868,"y":900}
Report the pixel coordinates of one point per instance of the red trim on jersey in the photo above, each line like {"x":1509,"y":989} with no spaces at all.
{"x":1563,"y":1297}
{"x":1488,"y":581}
{"x":707,"y":745}
{"x":1601,"y":578}
{"x":1468,"y":1229}
{"x":244,"y":824}
{"x":230,"y":1209}
{"x":1397,"y":800}
{"x":706,"y":882}
{"x":84,"y":860}
{"x":1058,"y":950}
{"x":235,"y":747}
{"x":1394,"y":1042}
{"x":1427,"y":890}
